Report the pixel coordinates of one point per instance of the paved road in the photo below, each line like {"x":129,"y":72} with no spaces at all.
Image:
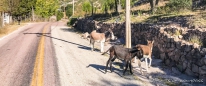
{"x":18,"y":52}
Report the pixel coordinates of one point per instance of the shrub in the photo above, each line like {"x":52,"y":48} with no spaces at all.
{"x":69,"y":10}
{"x":59,"y":15}
{"x":71,"y":21}
{"x":175,"y":6}
{"x":195,"y":39}
{"x":180,"y":4}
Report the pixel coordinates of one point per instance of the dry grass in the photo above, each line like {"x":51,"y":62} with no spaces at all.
{"x":9,"y":28}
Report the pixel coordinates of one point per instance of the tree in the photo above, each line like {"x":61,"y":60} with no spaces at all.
{"x":153,"y":4}
{"x":46,"y":8}
{"x":87,"y":7}
{"x":69,"y":10}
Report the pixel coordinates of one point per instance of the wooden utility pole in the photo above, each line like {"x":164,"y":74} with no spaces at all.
{"x":73,"y":9}
{"x":128,"y":25}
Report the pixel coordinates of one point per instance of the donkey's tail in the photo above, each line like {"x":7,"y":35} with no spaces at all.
{"x":107,"y":50}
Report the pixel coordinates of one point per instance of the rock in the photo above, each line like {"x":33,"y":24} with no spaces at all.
{"x":202,"y":79}
{"x":177,"y":57}
{"x":189,"y":72}
{"x":192,"y":51}
{"x":172,"y":45}
{"x":202,"y":70}
{"x":184,"y":66}
{"x":203,"y":61}
{"x":171,"y":54}
{"x":195,"y":45}
{"x":180,"y":36}
{"x":162,"y":56}
{"x":175,"y":71}
{"x":188,"y":48}
{"x":167,"y":62}
{"x":195,"y":68}
{"x":203,"y":51}
{"x":183,"y":58}
{"x":189,"y":56}
{"x":178,"y":45}
{"x":168,"y":45}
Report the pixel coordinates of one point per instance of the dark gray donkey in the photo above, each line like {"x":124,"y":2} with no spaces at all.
{"x":126,"y":54}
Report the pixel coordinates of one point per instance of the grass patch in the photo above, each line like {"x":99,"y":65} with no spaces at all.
{"x":195,"y":39}
{"x":9,"y":28}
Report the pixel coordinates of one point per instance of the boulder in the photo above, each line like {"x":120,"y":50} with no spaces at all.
{"x":162,"y":56}
{"x":202,"y":70}
{"x":195,"y":68}
{"x":189,"y":72}
{"x":184,"y":66}
{"x":175,"y":71}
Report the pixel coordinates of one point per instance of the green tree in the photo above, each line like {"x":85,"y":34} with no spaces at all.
{"x":60,"y":15}
{"x":87,"y":7}
{"x":181,"y":4}
{"x":46,"y":8}
{"x":153,"y":5}
{"x":69,"y":10}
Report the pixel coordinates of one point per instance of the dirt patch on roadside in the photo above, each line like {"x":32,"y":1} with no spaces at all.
{"x":9,"y":28}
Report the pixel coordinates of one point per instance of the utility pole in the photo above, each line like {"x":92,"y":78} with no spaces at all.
{"x":128,"y":25}
{"x":73,"y":8}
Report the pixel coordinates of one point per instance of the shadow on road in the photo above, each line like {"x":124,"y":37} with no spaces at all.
{"x":102,"y":68}
{"x":79,"y":45}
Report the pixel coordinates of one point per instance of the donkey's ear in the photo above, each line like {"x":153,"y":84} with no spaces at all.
{"x":152,"y":41}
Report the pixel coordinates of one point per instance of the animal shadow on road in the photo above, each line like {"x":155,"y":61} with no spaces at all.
{"x":102,"y":68}
{"x":44,"y":34}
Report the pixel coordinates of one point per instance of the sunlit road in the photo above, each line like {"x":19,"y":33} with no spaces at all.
{"x":22,"y":60}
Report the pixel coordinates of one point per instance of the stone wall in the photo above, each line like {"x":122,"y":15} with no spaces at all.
{"x":169,"y":46}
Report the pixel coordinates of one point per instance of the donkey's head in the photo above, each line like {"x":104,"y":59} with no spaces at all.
{"x":150,"y":43}
{"x":109,"y":35}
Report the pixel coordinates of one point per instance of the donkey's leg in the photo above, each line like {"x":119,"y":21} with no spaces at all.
{"x":109,"y":61}
{"x":102,"y":46}
{"x":130,"y":67}
{"x":134,"y":59}
{"x":92,"y":45}
{"x":127,"y":63}
{"x":146,"y":64}
{"x":139,"y":64}
{"x":150,"y":61}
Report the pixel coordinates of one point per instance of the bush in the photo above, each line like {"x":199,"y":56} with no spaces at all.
{"x":71,"y":21}
{"x":69,"y":10}
{"x":180,"y":4}
{"x":59,"y":15}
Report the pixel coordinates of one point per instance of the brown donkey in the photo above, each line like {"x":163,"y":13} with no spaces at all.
{"x":100,"y":37}
{"x":147,"y":52}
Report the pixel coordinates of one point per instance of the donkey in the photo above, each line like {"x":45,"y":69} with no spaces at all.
{"x":126,"y":54}
{"x":147,"y":52}
{"x":100,"y":37}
